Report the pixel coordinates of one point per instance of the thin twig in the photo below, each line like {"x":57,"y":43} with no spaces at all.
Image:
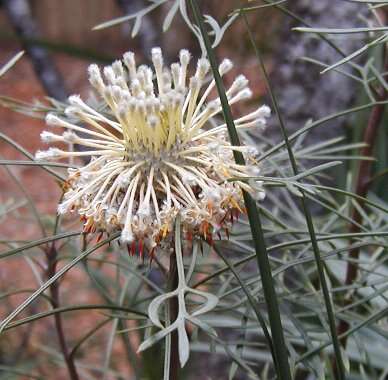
{"x":52,"y":255}
{"x":364,"y":176}
{"x":280,"y":349}
{"x":362,"y":186}
{"x":52,"y":259}
{"x":306,"y":211}
{"x":173,"y":306}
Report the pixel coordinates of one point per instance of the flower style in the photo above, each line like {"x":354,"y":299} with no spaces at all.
{"x":155,"y":150}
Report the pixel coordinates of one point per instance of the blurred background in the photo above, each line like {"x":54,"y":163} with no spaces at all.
{"x":59,"y":42}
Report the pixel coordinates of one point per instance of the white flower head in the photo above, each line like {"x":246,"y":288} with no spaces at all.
{"x":153,"y":152}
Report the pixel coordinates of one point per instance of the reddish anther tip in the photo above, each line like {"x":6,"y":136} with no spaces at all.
{"x":141,"y":248}
{"x":133,"y":248}
{"x":99,"y":237}
{"x":152,"y":254}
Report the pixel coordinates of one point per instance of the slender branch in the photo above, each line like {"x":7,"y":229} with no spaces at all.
{"x":280,"y":360}
{"x":52,"y":255}
{"x":363,"y":183}
{"x":362,"y":187}
{"x":20,"y":16}
{"x":173,"y":306}
{"x":363,"y":180}
{"x":130,"y":356}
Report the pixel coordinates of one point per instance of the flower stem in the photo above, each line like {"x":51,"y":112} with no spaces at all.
{"x":280,"y":349}
{"x":173,"y":311}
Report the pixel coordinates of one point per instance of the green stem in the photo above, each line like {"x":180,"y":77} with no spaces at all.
{"x":364,"y":180}
{"x":281,"y":355}
{"x":173,"y":313}
{"x":83,"y":255}
{"x":340,"y":368}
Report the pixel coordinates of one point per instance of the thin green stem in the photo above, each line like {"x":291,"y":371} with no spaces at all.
{"x":309,"y":220}
{"x":23,"y":151}
{"x":38,"y":242}
{"x":89,"y":334}
{"x":311,"y":125}
{"x":53,"y":279}
{"x":30,"y":201}
{"x":363,"y":182}
{"x":254,"y":304}
{"x":281,"y":355}
{"x":173,"y":280}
